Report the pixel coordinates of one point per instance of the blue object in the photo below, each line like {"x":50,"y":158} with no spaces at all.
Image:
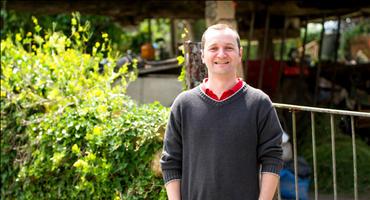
{"x":287,"y":188}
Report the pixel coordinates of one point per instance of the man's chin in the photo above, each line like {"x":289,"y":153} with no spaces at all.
{"x":224,"y":72}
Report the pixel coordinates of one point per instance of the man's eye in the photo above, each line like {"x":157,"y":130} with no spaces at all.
{"x":229,"y":48}
{"x":213,"y":49}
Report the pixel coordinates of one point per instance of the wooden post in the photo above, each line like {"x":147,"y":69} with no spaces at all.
{"x":263,"y":59}
{"x":196,"y":70}
{"x":223,"y":12}
{"x":318,"y":71}
{"x":301,"y":84}
{"x":282,"y":49}
{"x":335,"y":60}
{"x":337,"y":40}
{"x":173,"y":49}
{"x":150,"y":31}
{"x":251,"y":30}
{"x":301,"y":63}
{"x":220,"y":12}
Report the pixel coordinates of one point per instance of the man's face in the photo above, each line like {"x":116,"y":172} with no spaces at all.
{"x":221,"y":53}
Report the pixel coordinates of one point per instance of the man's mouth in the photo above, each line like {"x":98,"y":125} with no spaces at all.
{"x":226,"y":62}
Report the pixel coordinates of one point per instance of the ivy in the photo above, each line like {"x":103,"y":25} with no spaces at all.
{"x":66,"y":131}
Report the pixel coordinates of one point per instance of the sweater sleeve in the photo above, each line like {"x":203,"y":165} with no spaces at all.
{"x":171,"y":160}
{"x":269,"y":150}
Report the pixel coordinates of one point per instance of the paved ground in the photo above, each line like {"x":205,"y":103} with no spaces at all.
{"x":340,"y":197}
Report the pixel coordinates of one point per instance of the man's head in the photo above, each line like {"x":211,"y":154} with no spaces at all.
{"x":221,"y":51}
{"x":220,"y":27}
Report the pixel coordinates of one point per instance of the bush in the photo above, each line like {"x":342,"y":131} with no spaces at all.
{"x":66,"y":132}
{"x":344,"y":158}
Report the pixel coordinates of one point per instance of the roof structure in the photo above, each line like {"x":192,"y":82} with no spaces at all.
{"x":132,"y":12}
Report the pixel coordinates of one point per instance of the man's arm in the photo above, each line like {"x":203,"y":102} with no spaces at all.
{"x":268,"y":186}
{"x":269,"y":151}
{"x":171,"y":160}
{"x":173,"y":190}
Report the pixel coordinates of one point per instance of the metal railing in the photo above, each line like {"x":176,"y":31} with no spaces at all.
{"x":332,"y":112}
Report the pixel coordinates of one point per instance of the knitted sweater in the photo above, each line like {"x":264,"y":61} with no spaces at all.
{"x":216,"y":147}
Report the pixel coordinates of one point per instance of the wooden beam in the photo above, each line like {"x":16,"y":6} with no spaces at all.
{"x":263,"y":59}
{"x":318,"y":71}
{"x":251,"y":30}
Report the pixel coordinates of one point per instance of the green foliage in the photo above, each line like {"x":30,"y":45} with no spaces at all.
{"x":344,"y":158}
{"x":181,"y":61}
{"x":66,"y":131}
{"x":160,"y":28}
{"x":361,"y":28}
{"x":313,"y":33}
{"x":121,"y":40}
{"x":182,"y":76}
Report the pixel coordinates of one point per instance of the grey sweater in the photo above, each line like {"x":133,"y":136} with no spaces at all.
{"x":216,"y":148}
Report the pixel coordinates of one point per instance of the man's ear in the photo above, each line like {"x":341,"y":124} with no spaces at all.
{"x":241,"y":52}
{"x":202,"y":55}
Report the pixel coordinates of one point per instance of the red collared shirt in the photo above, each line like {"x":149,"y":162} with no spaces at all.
{"x":225,"y":94}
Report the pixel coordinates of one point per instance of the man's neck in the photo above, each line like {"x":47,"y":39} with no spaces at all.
{"x":219,"y":84}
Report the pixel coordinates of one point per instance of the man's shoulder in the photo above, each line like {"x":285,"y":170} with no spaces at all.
{"x":256,"y":93}
{"x":186,"y":96}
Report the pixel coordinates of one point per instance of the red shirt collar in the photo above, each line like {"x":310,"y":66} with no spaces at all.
{"x":225,"y":94}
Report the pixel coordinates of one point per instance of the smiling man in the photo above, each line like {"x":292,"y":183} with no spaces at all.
{"x":222,"y":134}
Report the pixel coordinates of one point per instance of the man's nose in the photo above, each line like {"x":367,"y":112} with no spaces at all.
{"x":221,"y":52}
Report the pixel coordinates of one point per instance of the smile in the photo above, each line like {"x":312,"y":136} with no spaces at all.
{"x":222,"y":62}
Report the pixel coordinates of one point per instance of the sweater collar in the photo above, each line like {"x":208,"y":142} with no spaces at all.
{"x":208,"y":98}
{"x":225,"y":94}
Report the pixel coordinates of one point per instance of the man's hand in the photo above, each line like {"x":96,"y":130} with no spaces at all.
{"x":173,"y":190}
{"x":268,"y":186}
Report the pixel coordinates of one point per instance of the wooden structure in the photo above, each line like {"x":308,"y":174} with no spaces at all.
{"x":255,"y":20}
{"x":133,"y":12}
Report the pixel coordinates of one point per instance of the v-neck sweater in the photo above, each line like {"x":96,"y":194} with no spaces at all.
{"x":225,"y":94}
{"x":216,"y":148}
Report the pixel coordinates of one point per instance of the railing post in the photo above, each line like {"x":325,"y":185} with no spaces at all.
{"x":331,"y":112}
{"x":295,"y":156}
{"x":354,"y":158}
{"x":333,"y":155}
{"x":314,"y":153}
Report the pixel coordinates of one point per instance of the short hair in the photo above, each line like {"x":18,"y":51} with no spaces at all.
{"x":220,"y":27}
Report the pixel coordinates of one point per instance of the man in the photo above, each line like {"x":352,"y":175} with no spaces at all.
{"x":223,"y":133}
